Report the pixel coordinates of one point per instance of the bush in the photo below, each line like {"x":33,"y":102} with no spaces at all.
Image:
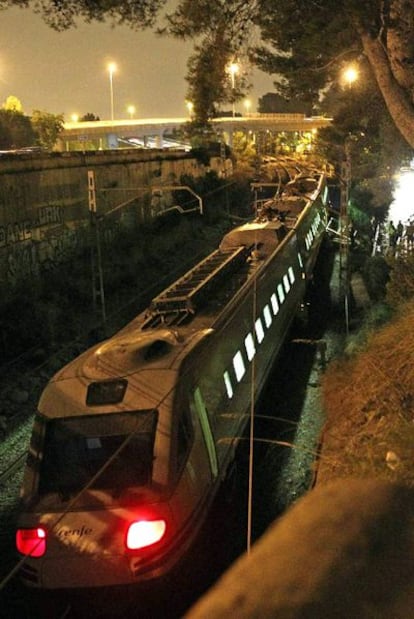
{"x":376,"y":274}
{"x":400,"y":287}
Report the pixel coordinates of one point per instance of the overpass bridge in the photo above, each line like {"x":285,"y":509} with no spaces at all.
{"x":156,"y":132}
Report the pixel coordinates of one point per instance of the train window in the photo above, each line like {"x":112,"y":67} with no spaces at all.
{"x":77,"y":448}
{"x":250,"y":347}
{"x":300,"y":260}
{"x":106,"y":392}
{"x":185,"y":436}
{"x":239,"y":366}
{"x":280,"y":293}
{"x":275,"y":304}
{"x":267,"y":316}
{"x":228,"y":385}
{"x":286,"y":283}
{"x":206,"y":428}
{"x":291,"y":275}
{"x":258,"y":327}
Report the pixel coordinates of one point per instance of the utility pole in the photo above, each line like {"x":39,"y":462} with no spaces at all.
{"x":98,"y":292}
{"x":344,"y":230}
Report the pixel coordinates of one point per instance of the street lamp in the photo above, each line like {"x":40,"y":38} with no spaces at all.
{"x":233,"y":69}
{"x":111,"y":69}
{"x":131,"y":110}
{"x":247,"y":105}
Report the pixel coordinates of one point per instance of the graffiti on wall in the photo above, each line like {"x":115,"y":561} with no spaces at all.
{"x":30,"y":246}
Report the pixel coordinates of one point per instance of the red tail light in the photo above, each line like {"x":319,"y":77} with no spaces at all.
{"x":31,"y":541}
{"x":143,"y":533}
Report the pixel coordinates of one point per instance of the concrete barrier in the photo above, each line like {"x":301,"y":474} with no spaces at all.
{"x":344,"y":551}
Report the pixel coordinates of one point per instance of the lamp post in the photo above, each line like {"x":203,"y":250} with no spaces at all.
{"x":111,"y":69}
{"x":233,"y":69}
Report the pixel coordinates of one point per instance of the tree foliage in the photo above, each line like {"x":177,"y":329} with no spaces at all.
{"x":47,"y":128}
{"x":220,"y":30}
{"x":13,"y":104}
{"x":15,"y":130}
{"x":89,"y":116}
{"x":307,"y":43}
{"x":63,"y":14}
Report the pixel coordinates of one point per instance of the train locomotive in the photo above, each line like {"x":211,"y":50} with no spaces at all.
{"x":133,"y":439}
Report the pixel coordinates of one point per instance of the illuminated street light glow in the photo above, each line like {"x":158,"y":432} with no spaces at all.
{"x":111,"y":69}
{"x":350,"y":75}
{"x":402,"y":207}
{"x":75,"y":118}
{"x":233,"y":69}
{"x":247,"y":105}
{"x":190,"y":107}
{"x":131,"y":110}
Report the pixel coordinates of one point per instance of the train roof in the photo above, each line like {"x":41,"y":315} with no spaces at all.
{"x":184,"y":313}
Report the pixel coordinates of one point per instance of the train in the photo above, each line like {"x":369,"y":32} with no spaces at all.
{"x":133,"y":439}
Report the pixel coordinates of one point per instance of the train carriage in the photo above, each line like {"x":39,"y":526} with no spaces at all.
{"x":133,"y":439}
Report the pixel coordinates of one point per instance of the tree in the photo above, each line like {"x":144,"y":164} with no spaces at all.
{"x":220,"y":31}
{"x":89,"y":116}
{"x":308,"y":42}
{"x":63,"y":14}
{"x":15,"y":130}
{"x":47,"y":127}
{"x":13,"y":104}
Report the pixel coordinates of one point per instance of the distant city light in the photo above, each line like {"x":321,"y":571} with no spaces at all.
{"x":402,"y":207}
{"x":131,"y":110}
{"x":74,"y":118}
{"x":190,"y":107}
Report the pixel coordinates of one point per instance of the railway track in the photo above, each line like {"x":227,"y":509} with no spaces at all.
{"x":13,"y":468}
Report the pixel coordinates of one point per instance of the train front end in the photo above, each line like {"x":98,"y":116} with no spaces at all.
{"x":109,"y":496}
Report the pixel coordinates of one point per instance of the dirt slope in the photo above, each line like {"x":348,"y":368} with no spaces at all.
{"x":369,"y":403}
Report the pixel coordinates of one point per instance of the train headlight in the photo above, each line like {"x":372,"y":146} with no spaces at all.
{"x":144,"y":533}
{"x":31,"y":542}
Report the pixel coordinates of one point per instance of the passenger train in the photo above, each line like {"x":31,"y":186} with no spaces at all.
{"x":133,"y":438}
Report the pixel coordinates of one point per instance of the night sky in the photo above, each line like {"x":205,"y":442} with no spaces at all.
{"x":66,"y":72}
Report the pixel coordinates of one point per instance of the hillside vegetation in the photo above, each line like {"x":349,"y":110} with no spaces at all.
{"x":369,"y":394}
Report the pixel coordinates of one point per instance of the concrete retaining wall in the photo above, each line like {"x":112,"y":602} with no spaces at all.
{"x":44,"y":212}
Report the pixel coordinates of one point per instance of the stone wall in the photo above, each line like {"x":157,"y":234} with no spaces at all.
{"x":44,"y":201}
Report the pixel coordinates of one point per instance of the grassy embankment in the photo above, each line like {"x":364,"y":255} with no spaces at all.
{"x":369,"y":391}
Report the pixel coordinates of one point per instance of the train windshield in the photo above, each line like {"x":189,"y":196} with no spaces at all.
{"x":111,"y":452}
